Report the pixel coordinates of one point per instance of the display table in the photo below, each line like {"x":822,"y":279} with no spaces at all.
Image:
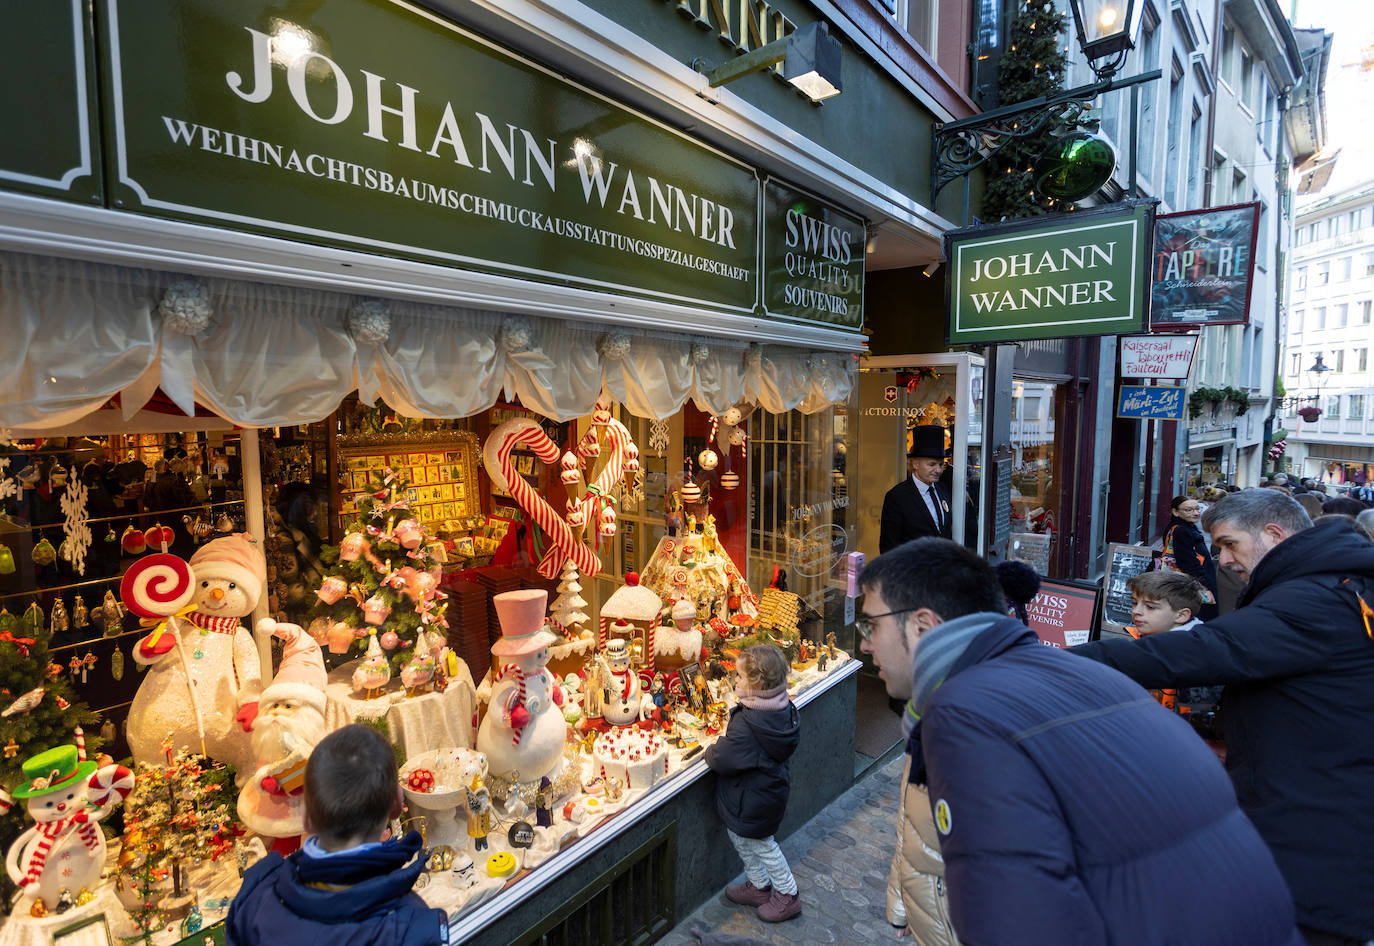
{"x":684,"y":805}
{"x":417,"y":723}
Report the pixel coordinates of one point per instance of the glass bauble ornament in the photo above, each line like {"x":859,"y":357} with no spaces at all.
{"x":1076,"y":166}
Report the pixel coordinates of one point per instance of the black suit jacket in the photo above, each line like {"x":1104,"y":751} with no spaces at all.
{"x":906,"y":516}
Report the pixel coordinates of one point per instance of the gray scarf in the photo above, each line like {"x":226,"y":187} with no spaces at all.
{"x":936,"y":653}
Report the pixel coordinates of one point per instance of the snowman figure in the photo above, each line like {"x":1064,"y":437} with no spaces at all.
{"x":523,"y":731}
{"x":64,"y":850}
{"x":622,"y":697}
{"x":205,"y":675}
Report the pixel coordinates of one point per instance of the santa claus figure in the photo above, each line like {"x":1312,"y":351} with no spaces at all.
{"x":288,"y":725}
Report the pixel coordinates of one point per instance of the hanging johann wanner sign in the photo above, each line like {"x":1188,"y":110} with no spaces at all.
{"x":1203,"y":267}
{"x":1081,"y":273}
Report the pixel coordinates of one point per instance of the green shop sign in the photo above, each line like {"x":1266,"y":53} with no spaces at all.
{"x":1084,"y":273}
{"x":49,"y":108}
{"x":376,"y":125}
{"x":813,"y":258}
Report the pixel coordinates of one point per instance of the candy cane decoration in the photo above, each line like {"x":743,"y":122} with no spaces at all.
{"x":516,"y":732}
{"x":109,"y":786}
{"x":496,"y":458}
{"x":80,"y":743}
{"x":649,"y":647}
{"x":601,"y":489}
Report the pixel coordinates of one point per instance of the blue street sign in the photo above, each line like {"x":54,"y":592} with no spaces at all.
{"x":1150,"y":403}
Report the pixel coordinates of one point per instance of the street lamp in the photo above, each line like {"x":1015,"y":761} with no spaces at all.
{"x":1317,"y":372}
{"x":1106,"y":28}
{"x":810,"y":58}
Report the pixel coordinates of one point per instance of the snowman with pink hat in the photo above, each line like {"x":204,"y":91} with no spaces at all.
{"x":523,"y":731}
{"x":205,"y":668}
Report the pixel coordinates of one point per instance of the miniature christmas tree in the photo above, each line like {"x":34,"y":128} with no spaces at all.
{"x":566,"y":609}
{"x":39,"y":711}
{"x":384,"y":574}
{"x":179,"y":813}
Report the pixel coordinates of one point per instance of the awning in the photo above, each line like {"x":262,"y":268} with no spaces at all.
{"x":77,"y":333}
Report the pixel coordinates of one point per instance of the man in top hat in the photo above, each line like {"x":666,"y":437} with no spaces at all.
{"x":918,"y":506}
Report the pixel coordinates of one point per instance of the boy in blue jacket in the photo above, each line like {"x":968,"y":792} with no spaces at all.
{"x":753,"y":780}
{"x":346,"y":886}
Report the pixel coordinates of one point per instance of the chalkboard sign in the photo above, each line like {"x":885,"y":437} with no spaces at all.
{"x":1001,"y":501}
{"x":1033,"y":548}
{"x":1124,"y":562}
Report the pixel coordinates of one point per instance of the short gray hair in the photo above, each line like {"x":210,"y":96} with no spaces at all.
{"x":1252,"y":509}
{"x":1364,"y":522}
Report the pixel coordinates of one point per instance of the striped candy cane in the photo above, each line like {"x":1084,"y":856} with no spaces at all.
{"x":519,"y":696}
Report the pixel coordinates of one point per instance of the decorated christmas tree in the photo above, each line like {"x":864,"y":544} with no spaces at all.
{"x":179,"y":813}
{"x":1033,"y":65}
{"x":384,"y":575}
{"x":38,"y":710}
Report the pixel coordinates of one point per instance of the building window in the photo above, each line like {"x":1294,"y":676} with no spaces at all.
{"x":1369,"y":264}
{"x":1334,"y":226}
{"x":1323,"y":274}
{"x":1362,"y":359}
{"x":1294,"y":362}
{"x":1333,"y":405}
{"x":1355,"y":410}
{"x":1228,"y":56}
{"x":1343,"y":269}
{"x":1247,"y":79}
{"x":1339,"y":366}
{"x":1364,"y":312}
{"x":1319,"y":317}
{"x":1300,"y":281}
{"x":1295,"y":327}
{"x":1356,"y":220}
{"x":1339,"y":317}
{"x":917,"y":17}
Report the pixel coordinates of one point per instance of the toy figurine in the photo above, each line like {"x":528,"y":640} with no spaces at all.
{"x":622,"y":706}
{"x":830,"y":644}
{"x":479,"y":813}
{"x":543,"y":810}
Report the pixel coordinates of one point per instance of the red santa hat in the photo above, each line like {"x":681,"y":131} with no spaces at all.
{"x":235,"y":558}
{"x":302,"y":674}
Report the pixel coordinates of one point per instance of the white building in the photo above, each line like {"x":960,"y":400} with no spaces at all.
{"x":1329,"y":317}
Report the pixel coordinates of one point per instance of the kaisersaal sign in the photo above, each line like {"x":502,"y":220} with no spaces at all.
{"x":377,"y":125}
{"x":1082,"y":273}
{"x":1157,"y":356}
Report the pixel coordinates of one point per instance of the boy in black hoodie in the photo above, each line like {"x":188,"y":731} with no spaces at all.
{"x":345,"y":886}
{"x":753,"y":780}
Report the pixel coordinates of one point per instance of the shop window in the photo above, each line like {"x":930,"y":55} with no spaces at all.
{"x":1035,"y":470}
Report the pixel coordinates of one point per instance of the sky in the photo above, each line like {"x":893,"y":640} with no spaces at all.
{"x":1349,"y":87}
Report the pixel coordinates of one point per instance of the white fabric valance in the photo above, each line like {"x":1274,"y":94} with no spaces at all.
{"x":77,"y":333}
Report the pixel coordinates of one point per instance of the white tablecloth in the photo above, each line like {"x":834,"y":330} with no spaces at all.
{"x":418,"y":723}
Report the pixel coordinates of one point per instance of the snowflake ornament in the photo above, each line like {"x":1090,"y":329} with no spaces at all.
{"x":76,"y":526}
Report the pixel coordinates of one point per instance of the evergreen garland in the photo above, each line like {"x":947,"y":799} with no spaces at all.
{"x":1033,"y":65}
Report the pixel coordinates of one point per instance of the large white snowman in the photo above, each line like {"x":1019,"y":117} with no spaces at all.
{"x":523,"y":730}
{"x":205,"y":667}
{"x":65,"y":848}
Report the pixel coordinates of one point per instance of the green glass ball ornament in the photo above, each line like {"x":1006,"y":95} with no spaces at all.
{"x":1077,"y":165}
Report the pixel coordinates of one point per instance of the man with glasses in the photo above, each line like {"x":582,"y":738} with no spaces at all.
{"x":918,"y":506}
{"x":1069,"y":806}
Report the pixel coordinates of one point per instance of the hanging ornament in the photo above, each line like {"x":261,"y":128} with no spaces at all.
{"x":185,"y":307}
{"x":107,"y":731}
{"x":159,"y":537}
{"x":352,"y":547}
{"x":6,"y":560}
{"x":729,"y":480}
{"x":113,"y":614}
{"x":25,"y":703}
{"x":58,"y":617}
{"x":390,"y":640}
{"x":658,"y":436}
{"x":110,"y":536}
{"x":11,"y":749}
{"x":8,"y":622}
{"x":133,"y":542}
{"x":607,"y":526}
{"x":43,"y":552}
{"x":225,"y":523}
{"x":376,"y":610}
{"x":81,"y":617}
{"x":33,"y":620}
{"x":570,"y":475}
{"x":116,"y":668}
{"x":76,"y":529}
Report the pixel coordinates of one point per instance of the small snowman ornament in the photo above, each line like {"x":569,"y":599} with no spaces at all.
{"x":64,"y":849}
{"x":622,"y":703}
{"x":523,"y":730}
{"x":205,"y":672}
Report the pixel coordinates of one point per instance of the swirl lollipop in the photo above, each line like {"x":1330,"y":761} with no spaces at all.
{"x":157,"y":586}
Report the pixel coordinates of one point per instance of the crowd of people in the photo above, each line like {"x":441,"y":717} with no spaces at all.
{"x":1049,"y":797}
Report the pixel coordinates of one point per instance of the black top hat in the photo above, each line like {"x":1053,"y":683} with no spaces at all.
{"x":928,"y":440}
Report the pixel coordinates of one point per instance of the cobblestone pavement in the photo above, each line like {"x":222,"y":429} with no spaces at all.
{"x":840,"y":859}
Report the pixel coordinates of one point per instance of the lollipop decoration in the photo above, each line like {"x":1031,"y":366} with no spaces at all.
{"x":158,"y":586}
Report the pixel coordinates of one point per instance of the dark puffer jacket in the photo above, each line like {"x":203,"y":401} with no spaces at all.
{"x":753,"y":777}
{"x":350,"y":899}
{"x":1074,"y":810}
{"x":1298,"y":665}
